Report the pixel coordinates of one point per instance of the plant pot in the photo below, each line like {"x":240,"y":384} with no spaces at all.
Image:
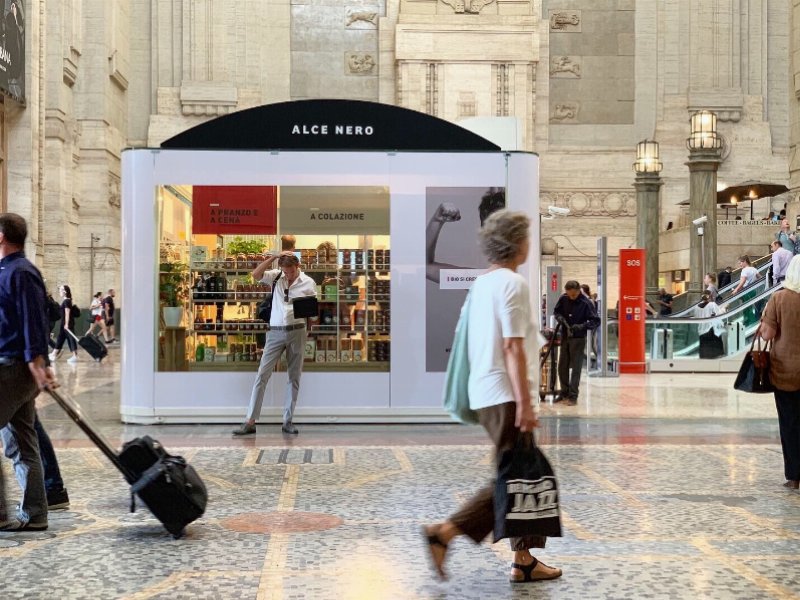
{"x":173,"y":316}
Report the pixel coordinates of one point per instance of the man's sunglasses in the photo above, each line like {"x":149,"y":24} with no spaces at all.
{"x":286,"y":295}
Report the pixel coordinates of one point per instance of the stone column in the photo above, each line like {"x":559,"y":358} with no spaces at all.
{"x":703,"y":165}
{"x":648,"y":212}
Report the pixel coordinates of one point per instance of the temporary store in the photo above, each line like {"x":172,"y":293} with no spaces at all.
{"x":385,"y":204}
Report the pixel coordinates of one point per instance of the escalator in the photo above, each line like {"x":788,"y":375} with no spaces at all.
{"x":737,"y":325}
{"x":682,"y":308}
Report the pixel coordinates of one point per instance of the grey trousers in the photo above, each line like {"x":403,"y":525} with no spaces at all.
{"x":476,"y":518}
{"x":18,"y":391}
{"x":571,"y":355}
{"x":277,"y":341}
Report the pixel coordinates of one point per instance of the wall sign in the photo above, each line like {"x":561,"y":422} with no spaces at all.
{"x":244,"y":210}
{"x":330,"y":125}
{"x":357,"y":210}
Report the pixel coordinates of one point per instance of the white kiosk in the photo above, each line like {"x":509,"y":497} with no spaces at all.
{"x":385,"y":204}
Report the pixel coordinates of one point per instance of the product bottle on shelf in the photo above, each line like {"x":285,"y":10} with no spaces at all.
{"x":200,"y":354}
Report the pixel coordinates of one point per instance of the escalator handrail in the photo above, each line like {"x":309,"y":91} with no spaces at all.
{"x":722,"y":315}
{"x":762,"y":269}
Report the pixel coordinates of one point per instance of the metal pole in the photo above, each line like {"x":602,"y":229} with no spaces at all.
{"x":93,"y":238}
{"x":703,"y":257}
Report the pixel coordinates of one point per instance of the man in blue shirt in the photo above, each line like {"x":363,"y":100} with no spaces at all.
{"x":24,"y":369}
{"x":577,"y":315}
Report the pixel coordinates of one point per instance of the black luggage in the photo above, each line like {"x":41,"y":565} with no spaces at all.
{"x":93,"y":345}
{"x":168,"y":485}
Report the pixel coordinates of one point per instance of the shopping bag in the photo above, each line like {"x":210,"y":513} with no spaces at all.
{"x":753,"y":376}
{"x":455,"y":395}
{"x":526,"y":493}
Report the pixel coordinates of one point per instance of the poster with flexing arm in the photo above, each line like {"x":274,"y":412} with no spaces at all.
{"x":453,"y":259}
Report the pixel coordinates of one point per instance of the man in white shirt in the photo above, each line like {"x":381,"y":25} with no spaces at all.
{"x":748,"y":276}
{"x":285,"y":333}
{"x":781,"y":258}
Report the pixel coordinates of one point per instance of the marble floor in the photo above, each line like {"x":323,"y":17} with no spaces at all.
{"x":669,"y":486}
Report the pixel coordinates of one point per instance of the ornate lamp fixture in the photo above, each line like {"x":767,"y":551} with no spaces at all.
{"x":647,"y":159}
{"x":704,"y":134}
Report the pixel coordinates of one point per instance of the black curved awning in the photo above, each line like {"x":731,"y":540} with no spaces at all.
{"x":347,"y":125}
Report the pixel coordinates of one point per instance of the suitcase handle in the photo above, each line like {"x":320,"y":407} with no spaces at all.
{"x":75,"y":413}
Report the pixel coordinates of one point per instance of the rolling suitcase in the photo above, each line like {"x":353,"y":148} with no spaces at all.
{"x":168,"y":485}
{"x":93,"y":345}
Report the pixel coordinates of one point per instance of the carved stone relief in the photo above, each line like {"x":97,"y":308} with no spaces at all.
{"x":466,"y":104}
{"x":359,"y":63}
{"x":472,"y":7}
{"x":593,"y":203}
{"x":565,"y":21}
{"x":565,"y":67}
{"x":361,"y":17}
{"x":566,"y":112}
{"x":114,"y":196}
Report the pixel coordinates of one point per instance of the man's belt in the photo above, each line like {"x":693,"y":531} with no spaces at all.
{"x":288,"y":327}
{"x":6,"y":361}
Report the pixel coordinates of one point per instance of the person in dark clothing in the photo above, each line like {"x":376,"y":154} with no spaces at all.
{"x":577,"y":315}
{"x":724,"y":277}
{"x":108,"y":314}
{"x":66,"y":326}
{"x":24,"y":370}
{"x":664,"y":303}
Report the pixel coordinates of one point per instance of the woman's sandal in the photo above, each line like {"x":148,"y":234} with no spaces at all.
{"x":435,"y":541}
{"x":527,"y":572}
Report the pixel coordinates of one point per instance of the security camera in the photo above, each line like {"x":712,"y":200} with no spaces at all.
{"x":699,"y":221}
{"x":558,"y":211}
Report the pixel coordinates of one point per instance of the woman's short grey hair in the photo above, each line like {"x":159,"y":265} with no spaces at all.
{"x":503,"y":235}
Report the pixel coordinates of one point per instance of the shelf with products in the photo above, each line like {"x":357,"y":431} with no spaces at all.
{"x":353,"y":288}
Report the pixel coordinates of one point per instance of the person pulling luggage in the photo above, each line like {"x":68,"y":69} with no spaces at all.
{"x":24,"y":369}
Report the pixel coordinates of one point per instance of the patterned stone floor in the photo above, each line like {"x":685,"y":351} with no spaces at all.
{"x":649,"y":521}
{"x":679,"y":505}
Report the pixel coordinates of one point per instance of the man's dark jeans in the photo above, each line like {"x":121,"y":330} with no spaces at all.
{"x":52,"y":473}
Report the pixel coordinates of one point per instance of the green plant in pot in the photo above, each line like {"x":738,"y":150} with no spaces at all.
{"x":173,"y":291}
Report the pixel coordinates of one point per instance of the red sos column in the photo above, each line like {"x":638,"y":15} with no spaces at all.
{"x":631,"y":311}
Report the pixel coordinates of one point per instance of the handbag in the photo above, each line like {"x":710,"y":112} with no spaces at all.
{"x":526,"y":493}
{"x":455,"y":395}
{"x":753,"y":375}
{"x":264,"y":311}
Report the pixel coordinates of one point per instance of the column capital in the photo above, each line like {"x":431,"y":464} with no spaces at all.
{"x":647,"y":182}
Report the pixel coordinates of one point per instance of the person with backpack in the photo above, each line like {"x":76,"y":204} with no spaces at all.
{"x":69,"y":312}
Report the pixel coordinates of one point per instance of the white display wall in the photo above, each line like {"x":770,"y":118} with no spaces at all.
{"x":408,"y":392}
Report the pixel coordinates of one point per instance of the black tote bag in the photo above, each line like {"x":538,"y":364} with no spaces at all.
{"x":753,"y":375}
{"x":526,"y":493}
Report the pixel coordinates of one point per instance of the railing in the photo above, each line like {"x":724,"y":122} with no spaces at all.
{"x":735,"y":326}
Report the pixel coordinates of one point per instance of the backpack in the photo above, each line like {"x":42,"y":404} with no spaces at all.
{"x":74,"y":311}
{"x":52,"y":309}
{"x":455,"y":396}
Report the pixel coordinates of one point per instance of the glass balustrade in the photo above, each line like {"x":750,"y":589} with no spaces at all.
{"x":734,"y":326}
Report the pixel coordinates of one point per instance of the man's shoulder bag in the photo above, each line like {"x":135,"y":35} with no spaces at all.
{"x":264,"y":311}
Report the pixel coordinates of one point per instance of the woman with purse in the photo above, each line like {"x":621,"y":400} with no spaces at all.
{"x":780,"y":322}
{"x":503,"y":353}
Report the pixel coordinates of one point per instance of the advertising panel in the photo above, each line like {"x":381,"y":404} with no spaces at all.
{"x":233,"y":209}
{"x":632,"y":311}
{"x":362,"y":210}
{"x":12,"y":52}
{"x":453,"y":259}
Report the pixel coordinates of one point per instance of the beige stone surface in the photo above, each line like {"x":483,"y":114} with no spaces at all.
{"x":106,"y":74}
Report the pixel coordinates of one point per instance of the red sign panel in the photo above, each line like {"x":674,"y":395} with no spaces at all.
{"x":239,"y":209}
{"x":632,"y":311}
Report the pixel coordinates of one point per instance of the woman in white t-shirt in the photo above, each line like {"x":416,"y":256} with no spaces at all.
{"x":503,"y":352}
{"x":96,"y":315}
